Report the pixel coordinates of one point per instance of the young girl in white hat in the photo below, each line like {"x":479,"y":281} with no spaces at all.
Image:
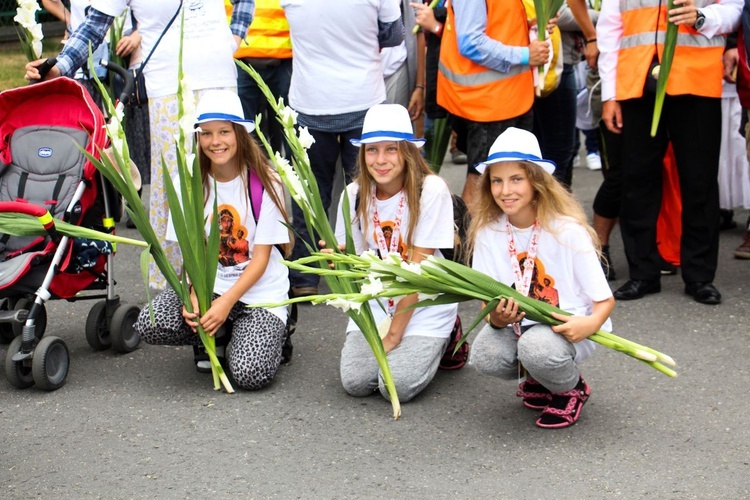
{"x":397,"y":205}
{"x":529,"y":232}
{"x":250,"y":269}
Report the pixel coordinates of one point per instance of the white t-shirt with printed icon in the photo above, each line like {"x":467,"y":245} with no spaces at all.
{"x":433,"y":230}
{"x":238,"y":235}
{"x":567,"y":271}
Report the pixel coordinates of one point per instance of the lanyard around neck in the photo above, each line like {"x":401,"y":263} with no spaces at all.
{"x":523,"y":279}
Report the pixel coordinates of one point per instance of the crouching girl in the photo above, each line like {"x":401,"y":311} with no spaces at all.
{"x":530,"y":233}
{"x":250,"y":269}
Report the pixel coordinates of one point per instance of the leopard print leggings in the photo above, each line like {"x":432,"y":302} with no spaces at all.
{"x":253,"y":353}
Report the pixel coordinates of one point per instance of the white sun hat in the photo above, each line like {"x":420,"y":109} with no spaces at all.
{"x":516,"y":144}
{"x":222,"y":105}
{"x":387,"y":122}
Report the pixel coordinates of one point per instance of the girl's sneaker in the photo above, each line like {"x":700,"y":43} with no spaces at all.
{"x":565,"y":408}
{"x":593,"y":161}
{"x":534,"y":394}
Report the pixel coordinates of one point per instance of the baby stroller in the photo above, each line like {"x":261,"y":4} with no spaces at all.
{"x":43,"y":173}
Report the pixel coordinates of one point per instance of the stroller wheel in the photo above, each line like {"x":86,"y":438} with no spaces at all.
{"x":18,"y":372}
{"x":50,"y":364}
{"x":124,"y":337}
{"x":97,"y":329}
{"x":40,"y":322}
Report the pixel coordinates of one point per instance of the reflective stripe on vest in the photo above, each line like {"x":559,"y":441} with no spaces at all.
{"x":697,"y":66}
{"x":475,"y":92}
{"x":268,"y":35}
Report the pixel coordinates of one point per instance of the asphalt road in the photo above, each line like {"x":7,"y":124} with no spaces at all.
{"x":147,"y":425}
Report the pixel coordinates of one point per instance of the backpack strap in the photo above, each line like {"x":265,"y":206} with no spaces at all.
{"x":255,"y":191}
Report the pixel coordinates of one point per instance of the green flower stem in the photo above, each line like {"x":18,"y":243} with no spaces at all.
{"x":475,"y":285}
{"x":300,"y":180}
{"x":670,"y":42}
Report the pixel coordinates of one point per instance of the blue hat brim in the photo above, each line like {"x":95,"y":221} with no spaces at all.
{"x":385,"y":138}
{"x":216,"y":117}
{"x":548,"y":166}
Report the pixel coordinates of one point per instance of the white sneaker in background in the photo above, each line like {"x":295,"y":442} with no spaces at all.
{"x":593,"y":161}
{"x":577,"y":161}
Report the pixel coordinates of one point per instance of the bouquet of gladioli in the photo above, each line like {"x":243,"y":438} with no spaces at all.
{"x":303,"y":187}
{"x":442,"y":281}
{"x":29,"y":31}
{"x":199,"y":254}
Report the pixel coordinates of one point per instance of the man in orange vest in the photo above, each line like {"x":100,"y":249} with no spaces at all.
{"x":267,"y":49}
{"x":631,"y":36}
{"x":485,"y":73}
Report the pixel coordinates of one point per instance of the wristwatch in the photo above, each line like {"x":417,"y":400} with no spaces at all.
{"x":700,"y":20}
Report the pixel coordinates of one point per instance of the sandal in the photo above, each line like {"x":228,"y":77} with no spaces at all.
{"x":534,"y":394}
{"x":565,"y":408}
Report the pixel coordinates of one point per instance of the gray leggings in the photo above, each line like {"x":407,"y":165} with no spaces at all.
{"x":413,"y":365}
{"x":253,"y":354}
{"x":547,"y":356}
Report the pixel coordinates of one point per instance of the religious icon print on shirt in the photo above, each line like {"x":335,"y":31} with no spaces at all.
{"x":233,"y":245}
{"x":542,"y":284}
{"x":387,"y":227}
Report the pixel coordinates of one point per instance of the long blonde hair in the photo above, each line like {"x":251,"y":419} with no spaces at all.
{"x":551,"y":202}
{"x":415,"y":171}
{"x":250,"y":155}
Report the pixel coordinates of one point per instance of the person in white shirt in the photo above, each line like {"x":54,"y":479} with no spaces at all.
{"x":529,"y":232}
{"x":402,"y":207}
{"x":250,"y":269}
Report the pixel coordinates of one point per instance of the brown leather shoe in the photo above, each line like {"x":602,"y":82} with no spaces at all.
{"x":743,"y":251}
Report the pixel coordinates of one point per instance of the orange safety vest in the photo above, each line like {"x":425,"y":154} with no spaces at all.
{"x":268,"y":34}
{"x":475,"y":92}
{"x":696,"y":68}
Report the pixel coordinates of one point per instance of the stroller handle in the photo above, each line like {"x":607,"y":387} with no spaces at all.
{"x":126,"y":76}
{"x":45,"y":67}
{"x":41,"y":213}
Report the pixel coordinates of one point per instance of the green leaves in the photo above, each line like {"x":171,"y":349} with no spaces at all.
{"x":303,"y":187}
{"x":454,"y":282}
{"x":670,"y":42}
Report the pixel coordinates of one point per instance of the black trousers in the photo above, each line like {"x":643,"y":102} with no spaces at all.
{"x":693,"y":125}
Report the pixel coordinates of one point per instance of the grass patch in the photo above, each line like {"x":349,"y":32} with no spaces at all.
{"x":12,"y":61}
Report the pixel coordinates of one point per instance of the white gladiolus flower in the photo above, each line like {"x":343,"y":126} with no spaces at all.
{"x":26,"y":17}
{"x":373,"y":287}
{"x":343,"y":304}
{"x":36,"y":46}
{"x":296,"y":189}
{"x":188,"y":118}
{"x":411,"y":267}
{"x":289,"y":116}
{"x":190,"y":161}
{"x":187,"y":125}
{"x":427,"y":296}
{"x":36,"y":32}
{"x":305,"y":138}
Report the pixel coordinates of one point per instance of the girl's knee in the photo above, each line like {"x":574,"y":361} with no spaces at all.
{"x":253,"y":377}
{"x":541,"y":349}
{"x":356,"y":382}
{"x":493,"y":362}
